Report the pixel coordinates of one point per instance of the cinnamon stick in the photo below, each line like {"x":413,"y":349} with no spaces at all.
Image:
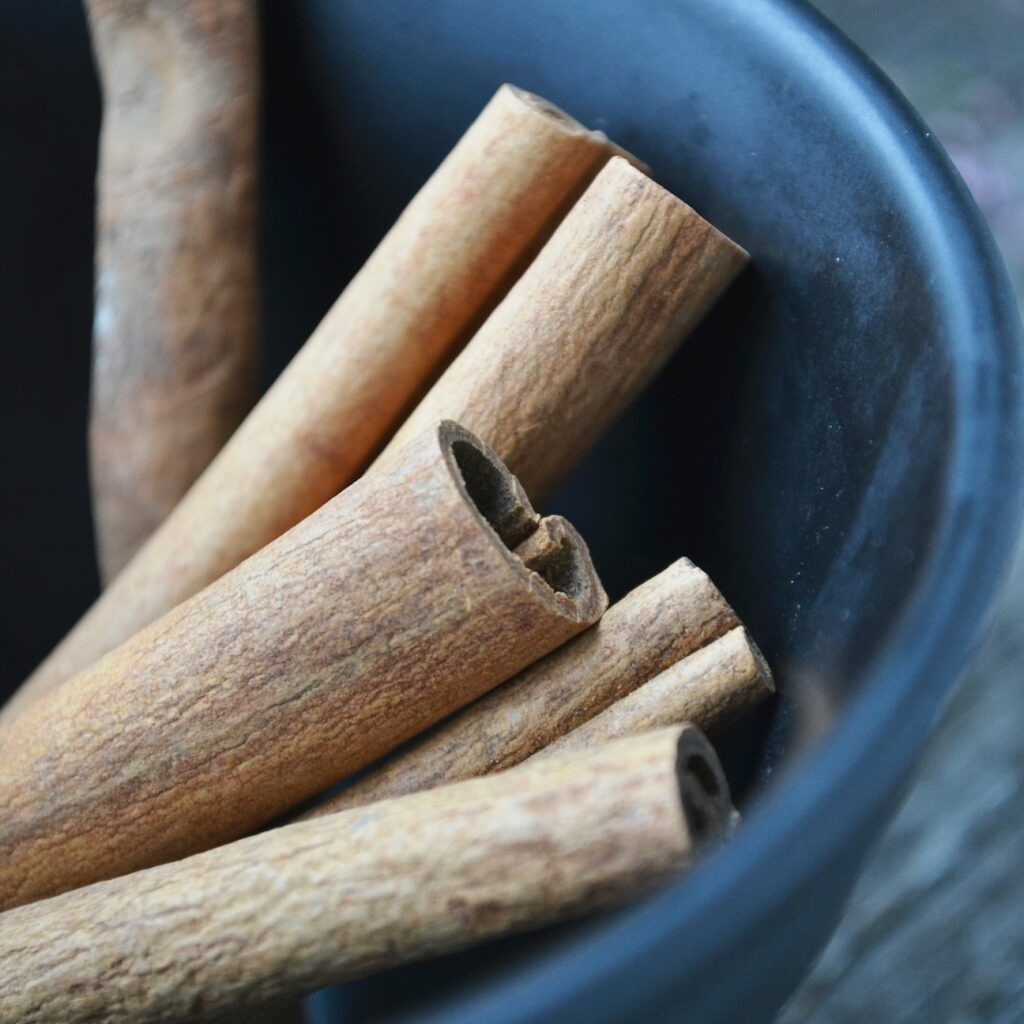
{"x":176,"y":323}
{"x":441,"y":268}
{"x":624,"y":278}
{"x":710,"y":688}
{"x":665,"y":619}
{"x":396,"y":603}
{"x":287,"y":911}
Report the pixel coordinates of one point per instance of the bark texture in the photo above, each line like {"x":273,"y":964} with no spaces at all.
{"x":175,"y":342}
{"x":393,"y":605}
{"x":709,"y":688}
{"x":668,"y":617}
{"x":446,"y":262}
{"x":622,"y":281}
{"x":296,"y":908}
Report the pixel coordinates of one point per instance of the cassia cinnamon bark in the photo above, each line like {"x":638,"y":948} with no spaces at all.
{"x":666,"y":618}
{"x":397,"y":602}
{"x":443,"y":266}
{"x":709,"y":688}
{"x":177,"y":311}
{"x":288,"y":911}
{"x":622,"y":281}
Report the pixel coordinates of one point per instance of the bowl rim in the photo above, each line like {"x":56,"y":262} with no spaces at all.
{"x":831,"y":796}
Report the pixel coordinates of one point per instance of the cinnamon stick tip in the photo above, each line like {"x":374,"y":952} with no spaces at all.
{"x":761,"y":666}
{"x":703,"y":789}
{"x":569,"y":124}
{"x":548,"y":109}
{"x":631,"y":175}
{"x":549,"y":552}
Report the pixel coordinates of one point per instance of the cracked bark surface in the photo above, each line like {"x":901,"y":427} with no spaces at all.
{"x":438,"y":272}
{"x":666,"y":618}
{"x":396,"y":603}
{"x":293,"y":909}
{"x":624,"y":278}
{"x":176,"y":321}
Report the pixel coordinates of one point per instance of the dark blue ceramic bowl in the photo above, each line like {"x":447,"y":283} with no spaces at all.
{"x":839,"y":445}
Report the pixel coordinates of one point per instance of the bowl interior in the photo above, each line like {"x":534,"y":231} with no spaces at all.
{"x":798,"y":446}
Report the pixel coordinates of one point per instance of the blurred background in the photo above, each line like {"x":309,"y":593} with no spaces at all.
{"x":935,"y":928}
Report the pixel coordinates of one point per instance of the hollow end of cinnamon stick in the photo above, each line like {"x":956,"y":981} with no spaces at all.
{"x":548,"y":551}
{"x":369,"y":889}
{"x":570,"y":124}
{"x":548,"y":109}
{"x":703,"y":789}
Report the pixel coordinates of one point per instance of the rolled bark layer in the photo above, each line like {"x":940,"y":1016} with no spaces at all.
{"x":665,"y":619}
{"x":709,"y":688}
{"x":290,"y":910}
{"x":177,"y":317}
{"x":396,"y":603}
{"x":442,"y":267}
{"x":624,"y":278}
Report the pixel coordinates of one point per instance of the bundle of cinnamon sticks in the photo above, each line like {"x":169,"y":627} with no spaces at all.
{"x":358,"y":581}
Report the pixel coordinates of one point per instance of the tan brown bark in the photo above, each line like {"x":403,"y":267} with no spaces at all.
{"x":296,"y":908}
{"x":661,"y":621}
{"x":177,"y":318}
{"x":441,"y":268}
{"x":709,"y":688}
{"x":624,"y":278}
{"x":393,"y":605}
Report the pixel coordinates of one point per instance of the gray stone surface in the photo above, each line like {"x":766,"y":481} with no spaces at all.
{"x":934,"y":931}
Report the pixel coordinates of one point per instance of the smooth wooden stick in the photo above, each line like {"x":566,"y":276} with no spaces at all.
{"x":709,"y":688}
{"x":445,"y":263}
{"x":290,"y":910}
{"x":396,"y":603}
{"x":177,"y":317}
{"x":623,"y":280}
{"x":661,"y":621}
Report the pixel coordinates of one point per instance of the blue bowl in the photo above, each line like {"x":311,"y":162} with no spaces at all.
{"x":840,"y":445}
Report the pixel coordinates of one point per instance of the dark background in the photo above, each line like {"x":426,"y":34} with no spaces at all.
{"x":47,"y":157}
